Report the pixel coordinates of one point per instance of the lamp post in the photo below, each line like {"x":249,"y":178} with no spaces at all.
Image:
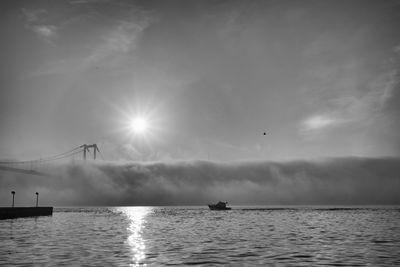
{"x":37,"y":199}
{"x":13,"y":193}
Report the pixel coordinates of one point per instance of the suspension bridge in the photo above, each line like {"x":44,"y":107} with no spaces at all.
{"x":39,"y":166}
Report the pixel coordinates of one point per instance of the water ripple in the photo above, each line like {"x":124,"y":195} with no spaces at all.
{"x":153,"y":236}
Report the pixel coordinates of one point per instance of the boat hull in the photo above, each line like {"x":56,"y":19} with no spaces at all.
{"x":213,"y":207}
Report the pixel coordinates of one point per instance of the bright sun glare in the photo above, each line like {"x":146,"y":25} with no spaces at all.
{"x":139,"y":125}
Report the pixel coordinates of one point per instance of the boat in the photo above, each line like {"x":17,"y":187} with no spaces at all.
{"x":219,"y":206}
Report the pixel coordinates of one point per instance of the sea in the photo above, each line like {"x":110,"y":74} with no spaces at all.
{"x":183,"y":236}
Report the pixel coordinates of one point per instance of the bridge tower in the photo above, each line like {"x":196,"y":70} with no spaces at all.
{"x":86,"y":149}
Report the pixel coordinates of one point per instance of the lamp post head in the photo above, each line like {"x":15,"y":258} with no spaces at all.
{"x":13,"y":192}
{"x":37,"y":193}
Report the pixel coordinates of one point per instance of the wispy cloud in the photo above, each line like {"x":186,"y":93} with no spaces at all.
{"x":80,"y":2}
{"x":338,"y":94}
{"x":45,"y":31}
{"x":397,"y":49}
{"x":35,"y":21}
{"x":34,"y":15}
{"x":121,"y":39}
{"x":118,"y":36}
{"x":318,"y":122}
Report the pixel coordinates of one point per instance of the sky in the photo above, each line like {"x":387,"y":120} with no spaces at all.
{"x":320,"y":78}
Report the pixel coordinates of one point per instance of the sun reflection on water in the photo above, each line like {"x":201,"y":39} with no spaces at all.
{"x":136,"y":216}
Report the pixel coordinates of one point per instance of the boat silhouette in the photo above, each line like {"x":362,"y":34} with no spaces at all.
{"x":219,"y":206}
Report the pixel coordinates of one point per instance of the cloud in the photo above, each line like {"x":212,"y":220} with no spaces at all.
{"x":396,"y":49}
{"x":113,"y":44}
{"x":80,"y":2}
{"x":33,"y":15}
{"x":122,"y":38}
{"x":318,"y":122}
{"x":35,"y":21}
{"x":45,"y":31}
{"x":332,"y":181}
{"x":353,"y":95}
{"x":321,"y":126}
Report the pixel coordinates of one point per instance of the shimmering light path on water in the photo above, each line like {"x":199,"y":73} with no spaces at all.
{"x":137,"y":236}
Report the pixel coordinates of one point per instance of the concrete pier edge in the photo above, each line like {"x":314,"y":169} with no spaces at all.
{"x":18,"y":212}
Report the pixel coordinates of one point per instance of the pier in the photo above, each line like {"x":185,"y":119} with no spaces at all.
{"x":11,"y":213}
{"x":38,"y":167}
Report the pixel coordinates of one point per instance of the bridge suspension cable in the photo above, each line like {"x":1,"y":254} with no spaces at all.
{"x":31,"y":166}
{"x":66,"y":154}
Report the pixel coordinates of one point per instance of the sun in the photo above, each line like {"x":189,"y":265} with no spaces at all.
{"x":139,"y":125}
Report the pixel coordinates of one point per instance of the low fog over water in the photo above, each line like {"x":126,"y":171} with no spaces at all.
{"x":331,"y":181}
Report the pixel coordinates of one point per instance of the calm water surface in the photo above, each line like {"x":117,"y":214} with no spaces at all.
{"x":153,"y":236}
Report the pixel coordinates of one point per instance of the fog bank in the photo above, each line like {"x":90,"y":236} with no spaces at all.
{"x":330,"y":181}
